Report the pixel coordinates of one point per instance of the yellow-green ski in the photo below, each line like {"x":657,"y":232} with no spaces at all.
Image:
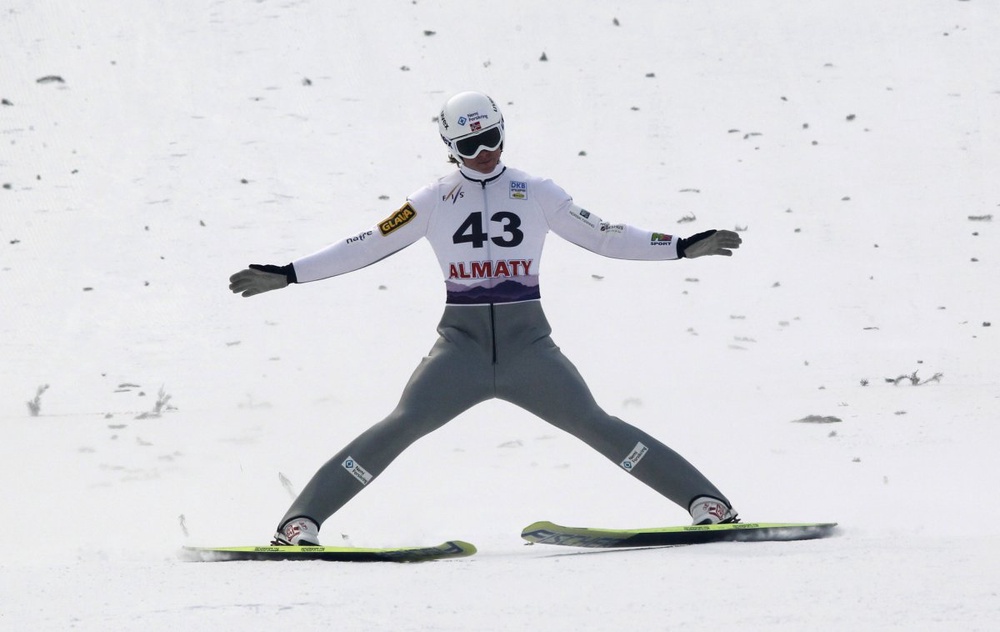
{"x":450,"y":549}
{"x":551,"y":533}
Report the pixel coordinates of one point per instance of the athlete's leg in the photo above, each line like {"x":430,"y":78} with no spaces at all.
{"x":451,"y":379}
{"x":544,"y":382}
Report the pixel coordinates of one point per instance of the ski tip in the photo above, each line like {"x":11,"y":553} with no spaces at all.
{"x":537,"y":526}
{"x":467,"y":548}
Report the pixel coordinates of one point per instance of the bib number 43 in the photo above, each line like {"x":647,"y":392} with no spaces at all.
{"x":472,"y":231}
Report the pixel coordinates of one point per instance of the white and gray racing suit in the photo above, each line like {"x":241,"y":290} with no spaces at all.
{"x":487,"y":232}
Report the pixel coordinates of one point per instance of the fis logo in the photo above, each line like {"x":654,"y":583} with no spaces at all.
{"x":518,"y":190}
{"x":454,"y":195}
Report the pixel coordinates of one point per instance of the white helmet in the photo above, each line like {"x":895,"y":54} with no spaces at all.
{"x":470,"y":122}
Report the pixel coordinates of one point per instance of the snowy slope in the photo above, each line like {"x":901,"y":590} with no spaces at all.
{"x":855,"y":144}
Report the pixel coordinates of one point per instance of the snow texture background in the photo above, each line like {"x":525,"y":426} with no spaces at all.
{"x":148,"y":150}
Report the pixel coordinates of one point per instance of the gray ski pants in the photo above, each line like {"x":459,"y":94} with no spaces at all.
{"x":503,"y":351}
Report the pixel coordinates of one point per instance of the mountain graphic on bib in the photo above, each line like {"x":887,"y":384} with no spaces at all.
{"x":525,"y":288}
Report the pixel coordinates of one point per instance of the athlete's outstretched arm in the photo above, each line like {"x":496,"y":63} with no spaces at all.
{"x":388,"y":237}
{"x":622,"y":241}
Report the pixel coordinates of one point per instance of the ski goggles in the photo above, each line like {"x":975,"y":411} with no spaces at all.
{"x":470,"y":146}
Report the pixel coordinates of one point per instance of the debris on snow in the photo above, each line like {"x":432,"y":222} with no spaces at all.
{"x":818,"y":419}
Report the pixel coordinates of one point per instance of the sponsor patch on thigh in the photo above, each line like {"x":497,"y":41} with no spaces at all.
{"x":634,"y":456}
{"x":360,"y":473}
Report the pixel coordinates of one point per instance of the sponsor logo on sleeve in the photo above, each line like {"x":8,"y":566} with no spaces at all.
{"x":584,"y":216}
{"x":360,"y":237}
{"x":613,"y":229}
{"x":397,"y":220}
{"x":518,"y":190}
{"x":661,"y":239}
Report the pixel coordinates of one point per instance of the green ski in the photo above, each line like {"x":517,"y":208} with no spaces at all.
{"x":551,"y":533}
{"x":450,"y":549}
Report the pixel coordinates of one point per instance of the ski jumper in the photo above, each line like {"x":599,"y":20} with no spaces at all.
{"x":487,"y":232}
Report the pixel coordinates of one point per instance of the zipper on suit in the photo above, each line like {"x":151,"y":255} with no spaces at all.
{"x":493,"y":332}
{"x":489,"y":255}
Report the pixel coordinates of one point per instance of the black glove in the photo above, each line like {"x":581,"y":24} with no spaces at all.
{"x":258,"y":279}
{"x":711,"y":242}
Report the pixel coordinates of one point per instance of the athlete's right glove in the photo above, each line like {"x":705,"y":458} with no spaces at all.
{"x":258,"y":279}
{"x":711,"y":242}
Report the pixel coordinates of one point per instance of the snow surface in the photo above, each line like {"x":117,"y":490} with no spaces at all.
{"x":856,"y":144}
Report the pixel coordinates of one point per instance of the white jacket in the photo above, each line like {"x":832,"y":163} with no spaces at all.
{"x":487,"y":232}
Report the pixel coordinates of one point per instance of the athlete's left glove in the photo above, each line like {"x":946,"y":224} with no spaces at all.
{"x":711,"y":242}
{"x":258,"y":279}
